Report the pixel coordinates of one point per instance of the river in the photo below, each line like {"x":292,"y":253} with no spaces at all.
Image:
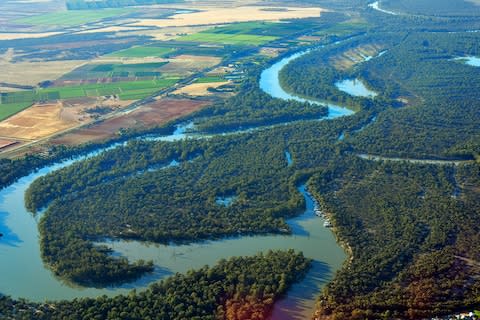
{"x":376,"y":6}
{"x":24,"y":275}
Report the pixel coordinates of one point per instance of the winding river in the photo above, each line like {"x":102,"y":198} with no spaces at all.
{"x":23,"y":273}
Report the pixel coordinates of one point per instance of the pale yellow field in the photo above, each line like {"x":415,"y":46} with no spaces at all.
{"x":199,"y":89}
{"x":109,"y":29}
{"x":15,"y":36}
{"x":160,"y":34}
{"x":212,"y":15}
{"x":36,"y":122}
{"x":45,"y":120}
{"x":37,"y":71}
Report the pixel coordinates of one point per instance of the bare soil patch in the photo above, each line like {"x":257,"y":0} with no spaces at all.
{"x":4,"y":143}
{"x":44,"y":120}
{"x":36,"y":122}
{"x":200,"y":89}
{"x":151,"y":115}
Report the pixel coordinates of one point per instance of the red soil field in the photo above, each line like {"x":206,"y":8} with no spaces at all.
{"x":150,"y":115}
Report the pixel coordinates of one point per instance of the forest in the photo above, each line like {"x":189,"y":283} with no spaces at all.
{"x":233,"y":289}
{"x":419,"y":70}
{"x":407,"y":226}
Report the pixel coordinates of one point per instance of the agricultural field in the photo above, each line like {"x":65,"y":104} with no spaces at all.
{"x":218,"y":15}
{"x":150,"y":115}
{"x":126,"y":90}
{"x":38,"y":71}
{"x":200,"y":89}
{"x":210,"y":79}
{"x":115,"y":70}
{"x":7,"y":110}
{"x":142,"y":52}
{"x":72,"y":18}
{"x":46,"y":119}
{"x":235,"y":39}
{"x":36,"y":122}
{"x":187,"y":64}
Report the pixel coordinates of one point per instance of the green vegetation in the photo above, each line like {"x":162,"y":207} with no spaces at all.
{"x":441,"y":7}
{"x":137,"y":199}
{"x":8,"y":110}
{"x":142,"y":52}
{"x":344,"y":29}
{"x":235,"y":39}
{"x":69,"y":18}
{"x":238,"y":288}
{"x":413,"y":239}
{"x":444,"y":96}
{"x":124,"y":89}
{"x":209,"y":79}
{"x":118,"y":70}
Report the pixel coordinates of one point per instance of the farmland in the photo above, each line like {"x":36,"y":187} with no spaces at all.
{"x":72,"y":18}
{"x":36,"y":122}
{"x":142,"y":52}
{"x":200,"y":88}
{"x":115,"y":70}
{"x":218,"y":15}
{"x":150,"y":115}
{"x":7,"y":110}
{"x":236,"y":39}
{"x":126,"y":90}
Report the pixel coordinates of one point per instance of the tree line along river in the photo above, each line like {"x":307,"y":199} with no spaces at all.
{"x":24,"y":275}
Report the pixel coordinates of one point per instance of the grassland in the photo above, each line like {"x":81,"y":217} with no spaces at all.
{"x":126,"y":90}
{"x":223,"y":38}
{"x":72,"y":18}
{"x":7,"y":110}
{"x":142,"y":52}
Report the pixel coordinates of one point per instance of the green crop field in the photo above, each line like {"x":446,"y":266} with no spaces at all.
{"x":142,"y":52}
{"x":225,"y":38}
{"x":125,"y":90}
{"x":209,"y":80}
{"x":72,"y":18}
{"x":8,"y":110}
{"x":95,"y":71}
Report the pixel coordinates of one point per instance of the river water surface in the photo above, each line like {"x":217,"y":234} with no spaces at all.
{"x":23,"y":274}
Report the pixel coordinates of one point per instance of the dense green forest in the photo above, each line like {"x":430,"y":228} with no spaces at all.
{"x":407,"y":228}
{"x":425,"y":7}
{"x":252,"y":108}
{"x":419,"y":69}
{"x":238,"y":288}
